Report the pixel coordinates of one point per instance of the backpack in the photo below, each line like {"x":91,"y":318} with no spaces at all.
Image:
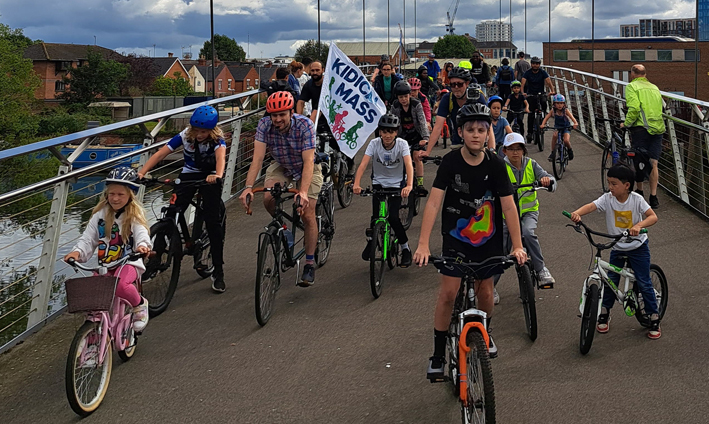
{"x":505,"y":74}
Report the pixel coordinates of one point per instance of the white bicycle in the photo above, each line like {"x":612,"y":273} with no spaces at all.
{"x":630,"y":297}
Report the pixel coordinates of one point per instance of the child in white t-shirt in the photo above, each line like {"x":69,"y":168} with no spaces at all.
{"x":626,"y":210}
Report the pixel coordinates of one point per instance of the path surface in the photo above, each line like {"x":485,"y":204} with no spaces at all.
{"x":332,"y":354}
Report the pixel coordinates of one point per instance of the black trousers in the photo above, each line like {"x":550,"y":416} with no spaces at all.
{"x":213,"y":213}
{"x":533,"y":102}
{"x":520,"y":121}
{"x":394,"y":205}
{"x":504,"y":91}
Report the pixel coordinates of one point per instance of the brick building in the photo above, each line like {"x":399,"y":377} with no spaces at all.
{"x":669,"y":60}
{"x":245,"y":78}
{"x":374,"y":51}
{"x":52,"y":61}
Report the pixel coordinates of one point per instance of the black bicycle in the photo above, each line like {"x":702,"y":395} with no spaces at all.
{"x":559,"y":156}
{"x":276,"y":245}
{"x":615,"y":150}
{"x":518,"y":116}
{"x":537,"y":130}
{"x":339,"y":171}
{"x":172,"y":240}
{"x":411,"y":206}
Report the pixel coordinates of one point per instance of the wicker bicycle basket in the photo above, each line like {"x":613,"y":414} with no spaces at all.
{"x":90,"y":293}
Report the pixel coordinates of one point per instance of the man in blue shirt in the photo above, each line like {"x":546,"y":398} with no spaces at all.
{"x":432,"y":66}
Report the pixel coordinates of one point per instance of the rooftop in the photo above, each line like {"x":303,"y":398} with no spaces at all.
{"x":374,"y":48}
{"x":66,"y":52}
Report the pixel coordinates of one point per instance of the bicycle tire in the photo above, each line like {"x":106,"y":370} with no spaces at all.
{"x":417,"y":206}
{"x":322,"y":251}
{"x":344,"y":190}
{"x":526,"y":293}
{"x":557,"y":163}
{"x":406,"y":210}
{"x":538,"y":135}
{"x":163,"y":269}
{"x":589,"y":317}
{"x":267,"y":279}
{"x":606,"y":163}
{"x":658,"y":281}
{"x":203,"y":263}
{"x":79,"y":404}
{"x":376,"y":260}
{"x":452,"y":344}
{"x":480,"y":406}
{"x":393,"y":256}
{"x":129,"y":342}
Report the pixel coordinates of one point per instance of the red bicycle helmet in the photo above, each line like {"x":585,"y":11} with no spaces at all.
{"x":279,"y":101}
{"x":415,"y":83}
{"x":444,"y":91}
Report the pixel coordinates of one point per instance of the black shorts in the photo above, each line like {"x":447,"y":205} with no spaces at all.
{"x":458,"y":271}
{"x":652,"y":143}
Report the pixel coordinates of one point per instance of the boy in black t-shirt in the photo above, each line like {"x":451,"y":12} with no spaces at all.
{"x":473,"y":186}
{"x":516,"y":102}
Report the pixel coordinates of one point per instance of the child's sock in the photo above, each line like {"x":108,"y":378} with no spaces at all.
{"x":309,"y":259}
{"x":405,"y":246}
{"x":419,"y":181}
{"x":439,"y":343}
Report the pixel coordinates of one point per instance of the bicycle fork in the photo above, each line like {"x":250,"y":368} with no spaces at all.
{"x":463,"y":349}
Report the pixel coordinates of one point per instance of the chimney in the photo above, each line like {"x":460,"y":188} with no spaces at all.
{"x":202,"y":61}
{"x":217,"y":62}
{"x":169,"y":55}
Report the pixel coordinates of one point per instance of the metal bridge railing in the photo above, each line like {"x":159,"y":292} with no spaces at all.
{"x":684,"y":163}
{"x":42,"y":218}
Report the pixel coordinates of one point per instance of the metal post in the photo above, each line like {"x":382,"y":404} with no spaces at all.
{"x":364,"y":36}
{"x":593,"y":36}
{"x":232,"y":159}
{"x":319,"y":48}
{"x":211,"y":19}
{"x":525,"y":27}
{"x":549,"y":44}
{"x":696,"y":50}
{"x":388,"y":35}
{"x":403,"y":38}
{"x":677,"y":157}
{"x":579,"y":111}
{"x":591,"y":113}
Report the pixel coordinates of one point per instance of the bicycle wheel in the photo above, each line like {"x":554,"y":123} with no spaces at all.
{"x":558,"y":163}
{"x":526,"y":293}
{"x":86,"y":377}
{"x":407,"y":209}
{"x":344,"y":187}
{"x":267,"y":278}
{"x":417,"y":206}
{"x":606,"y":163}
{"x":128,"y":341}
{"x":325,"y":232}
{"x":376,"y":260}
{"x":659,"y":284}
{"x":203,"y":252}
{"x":452,"y":344}
{"x":393,"y":256}
{"x":588,"y":319}
{"x":162,"y":271}
{"x":480,"y":405}
{"x":538,"y":134}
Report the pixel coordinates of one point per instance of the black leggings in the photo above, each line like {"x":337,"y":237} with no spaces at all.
{"x":213,"y":213}
{"x":394,"y":205}
{"x":532,"y":106}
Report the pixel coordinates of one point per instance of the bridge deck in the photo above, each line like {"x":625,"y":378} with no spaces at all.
{"x":333,"y":354}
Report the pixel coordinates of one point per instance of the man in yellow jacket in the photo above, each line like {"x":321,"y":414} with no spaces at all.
{"x":645,"y":122}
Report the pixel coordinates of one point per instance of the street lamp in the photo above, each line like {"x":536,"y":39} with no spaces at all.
{"x":319,"y":48}
{"x":211,"y":20}
{"x":364,"y":37}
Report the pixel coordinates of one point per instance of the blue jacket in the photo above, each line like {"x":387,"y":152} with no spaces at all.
{"x":433,"y":69}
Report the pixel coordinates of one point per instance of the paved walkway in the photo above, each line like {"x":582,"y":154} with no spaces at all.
{"x":332,"y":354}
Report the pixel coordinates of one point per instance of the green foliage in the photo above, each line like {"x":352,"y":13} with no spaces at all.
{"x":61,"y":122}
{"x":226,"y":49}
{"x":17,"y":87}
{"x":164,"y":86}
{"x":96,"y":78}
{"x":310,"y":49}
{"x":450,"y":46}
{"x":16,"y":37}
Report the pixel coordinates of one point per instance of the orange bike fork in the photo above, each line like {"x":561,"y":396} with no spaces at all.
{"x":463,"y":349}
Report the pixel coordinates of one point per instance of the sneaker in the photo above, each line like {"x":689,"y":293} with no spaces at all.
{"x":570,"y":153}
{"x":365,"y":252}
{"x":308,"y":277}
{"x":492,"y":349}
{"x":497,"y":297}
{"x":89,"y":356}
{"x":435,"y":368}
{"x":218,"y":284}
{"x":405,"y":258}
{"x":140,"y":316}
{"x":551,"y":157}
{"x":654,"y":203}
{"x":654,"y":332}
{"x":545,"y":277}
{"x":603,"y":323}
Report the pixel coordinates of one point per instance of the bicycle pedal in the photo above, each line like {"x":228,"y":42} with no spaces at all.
{"x":439,"y":380}
{"x":546,"y":286}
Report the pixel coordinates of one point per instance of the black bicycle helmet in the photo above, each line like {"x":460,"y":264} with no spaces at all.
{"x":123,"y":175}
{"x":402,"y":88}
{"x":536,"y":59}
{"x":389,"y":121}
{"x":473,"y":112}
{"x":460,"y":73}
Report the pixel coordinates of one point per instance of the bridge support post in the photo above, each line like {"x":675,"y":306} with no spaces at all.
{"x":620,"y":101}
{"x":231,"y":160}
{"x":591,"y":112}
{"x":676,"y":156}
{"x":604,"y":108}
{"x":579,"y":111}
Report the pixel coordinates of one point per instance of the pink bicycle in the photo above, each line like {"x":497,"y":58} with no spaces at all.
{"x":109,"y":320}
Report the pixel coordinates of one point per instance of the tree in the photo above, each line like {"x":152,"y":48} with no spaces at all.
{"x":140,"y":75}
{"x":451,"y":46}
{"x":226,"y":49}
{"x":96,"y":78}
{"x":16,"y":37}
{"x":164,"y":86}
{"x":17,"y":87}
{"x":310,"y":49}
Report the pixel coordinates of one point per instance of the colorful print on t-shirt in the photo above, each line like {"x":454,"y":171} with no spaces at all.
{"x":480,"y":227}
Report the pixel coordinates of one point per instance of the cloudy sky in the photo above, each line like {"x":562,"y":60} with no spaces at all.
{"x":275,"y":27}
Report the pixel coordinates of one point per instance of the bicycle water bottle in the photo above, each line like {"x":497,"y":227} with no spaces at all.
{"x":289,"y":236}
{"x":616,"y":157}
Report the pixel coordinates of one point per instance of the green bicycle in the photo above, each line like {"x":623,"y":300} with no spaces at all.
{"x":384,"y":248}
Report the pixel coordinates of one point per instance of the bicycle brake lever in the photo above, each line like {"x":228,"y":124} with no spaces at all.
{"x":576,"y":228}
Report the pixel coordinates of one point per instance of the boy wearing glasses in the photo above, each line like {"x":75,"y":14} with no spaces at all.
{"x":391,"y":157}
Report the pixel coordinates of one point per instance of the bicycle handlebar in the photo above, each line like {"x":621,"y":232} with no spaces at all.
{"x":173,"y":183}
{"x":615,"y":237}
{"x":383,"y":191}
{"x":132,"y":257}
{"x":565,"y":127}
{"x":435,"y":159}
{"x":276,"y":191}
{"x":506,"y":261}
{"x":535,"y":186}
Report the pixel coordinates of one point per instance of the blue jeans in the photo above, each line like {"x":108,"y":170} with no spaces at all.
{"x":639,"y":260}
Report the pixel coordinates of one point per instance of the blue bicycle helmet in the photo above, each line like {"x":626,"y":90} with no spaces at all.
{"x":558,"y":98}
{"x":204,"y":117}
{"x":495,"y":99}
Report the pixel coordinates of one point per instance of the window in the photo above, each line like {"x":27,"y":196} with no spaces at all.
{"x":622,"y":75}
{"x":611,"y":55}
{"x":220,"y":84}
{"x":199,"y":83}
{"x":689,"y":55}
{"x":637,"y":55}
{"x":256,"y":82}
{"x":63,"y":66}
{"x":59,"y":86}
{"x":494,"y":54}
{"x":664,"y":55}
{"x":228,"y":84}
{"x":248,"y":82}
{"x":561,"y":55}
{"x":585,"y":55}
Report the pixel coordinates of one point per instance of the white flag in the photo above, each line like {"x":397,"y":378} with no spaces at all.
{"x":348,"y":102}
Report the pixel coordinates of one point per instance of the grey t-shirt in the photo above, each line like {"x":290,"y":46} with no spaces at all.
{"x":388,"y":165}
{"x":622,"y":216}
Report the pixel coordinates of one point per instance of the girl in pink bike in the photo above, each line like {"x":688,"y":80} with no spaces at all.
{"x":117,"y":228}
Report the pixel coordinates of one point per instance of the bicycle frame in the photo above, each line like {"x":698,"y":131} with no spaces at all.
{"x":111,"y":323}
{"x":601,"y":276}
{"x":384,"y":217}
{"x":279,"y":224}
